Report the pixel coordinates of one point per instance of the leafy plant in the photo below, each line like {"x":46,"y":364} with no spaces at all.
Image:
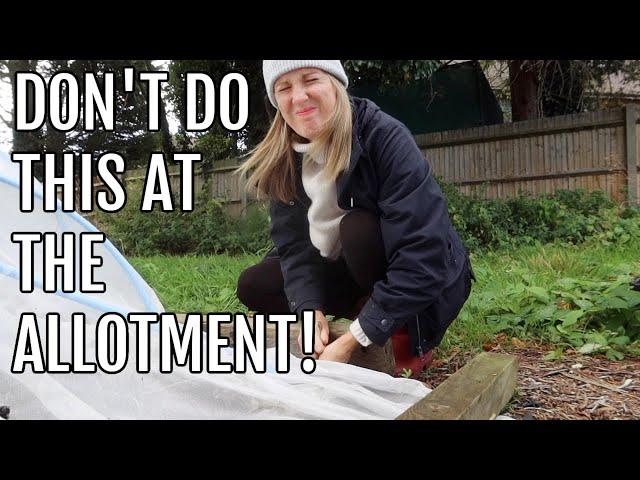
{"x":589,"y":316}
{"x":205,"y":230}
{"x":568,"y":215}
{"x":406,"y":373}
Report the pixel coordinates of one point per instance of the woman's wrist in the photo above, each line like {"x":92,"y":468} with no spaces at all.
{"x":358,"y":333}
{"x":351,"y":341}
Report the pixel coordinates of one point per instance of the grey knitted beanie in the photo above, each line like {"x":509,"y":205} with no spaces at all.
{"x":274,"y":69}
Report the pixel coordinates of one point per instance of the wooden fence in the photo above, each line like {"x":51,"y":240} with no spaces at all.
{"x":217,"y":182}
{"x":595,"y":150}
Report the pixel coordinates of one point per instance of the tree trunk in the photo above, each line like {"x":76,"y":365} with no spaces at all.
{"x":167,"y":142}
{"x":23,"y":141}
{"x":524,"y":91}
{"x":55,"y":141}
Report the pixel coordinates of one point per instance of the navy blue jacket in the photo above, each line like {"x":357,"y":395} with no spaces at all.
{"x":429,"y":275}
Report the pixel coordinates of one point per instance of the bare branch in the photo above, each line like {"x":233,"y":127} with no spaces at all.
{"x":8,"y":123}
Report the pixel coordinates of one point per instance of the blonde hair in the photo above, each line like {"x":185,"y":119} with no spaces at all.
{"x":273,"y":159}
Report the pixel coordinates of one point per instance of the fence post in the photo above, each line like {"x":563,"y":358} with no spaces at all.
{"x":631,"y":117}
{"x":243,"y":194}
{"x":205,"y":173}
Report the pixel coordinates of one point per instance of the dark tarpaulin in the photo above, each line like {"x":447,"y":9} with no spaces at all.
{"x":456,"y":96}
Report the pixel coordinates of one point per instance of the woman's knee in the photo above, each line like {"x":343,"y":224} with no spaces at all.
{"x":360,"y":227}
{"x":363,"y":247}
{"x":244,"y":288}
{"x":260,"y":285}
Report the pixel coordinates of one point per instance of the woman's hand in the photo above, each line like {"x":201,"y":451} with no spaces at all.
{"x":341,"y":349}
{"x":322,"y":334}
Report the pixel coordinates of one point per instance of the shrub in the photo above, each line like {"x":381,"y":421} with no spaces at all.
{"x":205,"y":230}
{"x":566,"y":216}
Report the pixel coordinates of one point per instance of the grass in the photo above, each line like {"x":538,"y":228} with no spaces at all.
{"x":497,"y":272}
{"x":195,"y":283}
{"x":207,"y":283}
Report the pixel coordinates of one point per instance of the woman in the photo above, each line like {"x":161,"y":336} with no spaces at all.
{"x":360,"y":226}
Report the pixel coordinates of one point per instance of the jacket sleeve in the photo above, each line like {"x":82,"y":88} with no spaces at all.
{"x":301,"y":263}
{"x":415,"y":225}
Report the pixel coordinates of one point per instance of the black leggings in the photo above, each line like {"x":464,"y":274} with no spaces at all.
{"x":349,"y":279}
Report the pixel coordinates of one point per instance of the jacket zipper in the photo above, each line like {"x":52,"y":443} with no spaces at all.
{"x":419,"y":337}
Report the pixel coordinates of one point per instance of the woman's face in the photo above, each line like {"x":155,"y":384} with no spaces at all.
{"x":306,"y":99}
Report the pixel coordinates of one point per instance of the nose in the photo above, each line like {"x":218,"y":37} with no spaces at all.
{"x":299,"y":94}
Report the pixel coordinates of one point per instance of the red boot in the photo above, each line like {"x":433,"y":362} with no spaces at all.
{"x":401,"y":344}
{"x":404,"y":358}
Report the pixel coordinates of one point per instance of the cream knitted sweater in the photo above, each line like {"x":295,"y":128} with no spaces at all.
{"x":324,"y":213}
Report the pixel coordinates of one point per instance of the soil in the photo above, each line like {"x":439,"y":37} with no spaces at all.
{"x":577,"y":387}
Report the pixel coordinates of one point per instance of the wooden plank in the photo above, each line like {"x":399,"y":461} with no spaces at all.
{"x":445,"y":169}
{"x":547,"y":177}
{"x":453,"y":172}
{"x":632,"y":153}
{"x":495,"y":159}
{"x":611,"y":138}
{"x":589,"y":157}
{"x":528,"y":161}
{"x":585,"y":161}
{"x":554,"y":160}
{"x":476,"y":161}
{"x":464,"y":161}
{"x":433,"y":156}
{"x":547,"y":166}
{"x":553,"y":163}
{"x":620,"y":160}
{"x":563,"y":146}
{"x":478,"y":391}
{"x":602,"y":161}
{"x":544,"y":126}
{"x":538,"y":165}
{"x":558,"y":157}
{"x":242,"y":184}
{"x":571,"y":158}
{"x":372,"y":357}
{"x":491,"y":166}
{"x":518,"y":163}
{"x":601,"y":154}
{"x":594,"y":157}
{"x":606,"y":136}
{"x":499,"y":167}
{"x":473,"y":161}
{"x":482,"y":174}
{"x":512,"y":165}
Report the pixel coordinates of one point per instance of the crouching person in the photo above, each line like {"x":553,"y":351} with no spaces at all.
{"x":359,"y":224}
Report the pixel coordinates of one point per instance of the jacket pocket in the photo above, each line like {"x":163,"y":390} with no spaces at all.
{"x":456,"y":256}
{"x":440,"y":315}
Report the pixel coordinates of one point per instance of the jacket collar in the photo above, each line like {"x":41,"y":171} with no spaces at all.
{"x":362,"y":109}
{"x":343,"y":179}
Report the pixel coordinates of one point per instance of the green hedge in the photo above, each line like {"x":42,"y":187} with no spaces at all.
{"x":569,"y":216}
{"x":205,"y":230}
